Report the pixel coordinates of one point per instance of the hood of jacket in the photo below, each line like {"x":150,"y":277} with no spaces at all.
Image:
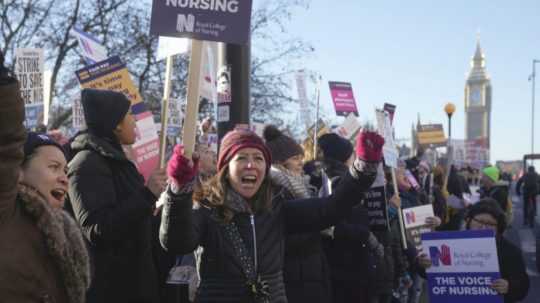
{"x":103,"y":146}
{"x":63,"y":239}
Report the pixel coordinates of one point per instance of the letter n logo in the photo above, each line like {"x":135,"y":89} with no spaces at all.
{"x":443,"y":255}
{"x":185,"y":23}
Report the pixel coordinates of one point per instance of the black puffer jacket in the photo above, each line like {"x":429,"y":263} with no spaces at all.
{"x":222,"y":278}
{"x":352,"y":264}
{"x":113,"y":207}
{"x":513,"y":270}
{"x":306,"y":273}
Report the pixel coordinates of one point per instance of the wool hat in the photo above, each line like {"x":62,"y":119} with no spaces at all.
{"x":335,"y":147}
{"x":281,"y":147}
{"x":491,"y":207}
{"x":35,"y":140}
{"x":492,"y":172}
{"x":238,"y":139}
{"x":104,"y":110}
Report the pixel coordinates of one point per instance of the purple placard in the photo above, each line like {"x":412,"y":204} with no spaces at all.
{"x":226,"y":21}
{"x":343,"y":98}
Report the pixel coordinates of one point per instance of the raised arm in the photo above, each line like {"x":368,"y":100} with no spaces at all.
{"x":181,"y":227}
{"x":12,"y":137}
{"x":319,"y":213}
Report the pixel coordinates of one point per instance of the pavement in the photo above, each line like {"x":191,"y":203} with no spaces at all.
{"x":524,"y":238}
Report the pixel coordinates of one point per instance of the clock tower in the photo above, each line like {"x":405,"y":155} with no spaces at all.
{"x":478,"y":102}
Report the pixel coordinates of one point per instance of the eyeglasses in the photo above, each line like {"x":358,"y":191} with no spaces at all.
{"x":485,"y":224}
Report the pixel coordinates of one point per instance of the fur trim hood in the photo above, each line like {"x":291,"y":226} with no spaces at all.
{"x":63,"y":239}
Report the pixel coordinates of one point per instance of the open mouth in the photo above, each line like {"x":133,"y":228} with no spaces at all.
{"x":58,"y":194}
{"x":249,"y":180}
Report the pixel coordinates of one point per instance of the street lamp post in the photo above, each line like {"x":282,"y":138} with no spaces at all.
{"x":532,"y":78}
{"x":449,"y":108}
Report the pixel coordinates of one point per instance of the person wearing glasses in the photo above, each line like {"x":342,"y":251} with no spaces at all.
{"x":514,"y":281}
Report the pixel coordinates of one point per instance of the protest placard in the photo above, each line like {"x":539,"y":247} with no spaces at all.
{"x":77,"y":115}
{"x":431,"y":135}
{"x":223,"y":21}
{"x":112,"y":74}
{"x":305,"y":113}
{"x":391,"y":110}
{"x":375,"y":201}
{"x":464,"y":265}
{"x":349,"y":127}
{"x":90,"y":47}
{"x":175,"y":117}
{"x":29,"y":69}
{"x":170,"y":46}
{"x":415,"y":223}
{"x":384,"y":128}
{"x":342,"y":95}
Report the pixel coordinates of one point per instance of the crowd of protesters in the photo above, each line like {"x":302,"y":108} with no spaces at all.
{"x":259,"y":221}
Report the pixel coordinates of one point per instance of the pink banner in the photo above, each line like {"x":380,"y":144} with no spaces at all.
{"x":343,"y":98}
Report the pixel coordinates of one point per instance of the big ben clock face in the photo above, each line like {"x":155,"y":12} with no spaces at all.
{"x":475,"y":97}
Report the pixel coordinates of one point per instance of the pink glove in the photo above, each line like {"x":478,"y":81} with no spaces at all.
{"x":369,"y":146}
{"x":179,"y":168}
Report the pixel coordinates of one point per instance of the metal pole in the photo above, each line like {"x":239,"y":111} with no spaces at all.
{"x":533,"y":77}
{"x":315,"y":133}
{"x":238,"y":58}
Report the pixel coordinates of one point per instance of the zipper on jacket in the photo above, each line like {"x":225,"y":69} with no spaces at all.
{"x":252,"y":219}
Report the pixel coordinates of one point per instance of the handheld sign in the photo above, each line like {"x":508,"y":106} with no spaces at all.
{"x":90,"y":47}
{"x":464,"y":265}
{"x":29,"y":69}
{"x":343,"y":98}
{"x":112,"y":74}
{"x":415,"y":223}
{"x":226,"y":21}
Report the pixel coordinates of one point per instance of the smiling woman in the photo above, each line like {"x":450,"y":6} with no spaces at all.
{"x":242,"y":216}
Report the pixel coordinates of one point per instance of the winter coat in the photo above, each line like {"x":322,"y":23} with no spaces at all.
{"x":305,"y":273}
{"x":222,"y":277}
{"x":114,"y":208}
{"x":42,"y":254}
{"x":498,"y":192}
{"x":352,"y":263}
{"x":513,"y":270}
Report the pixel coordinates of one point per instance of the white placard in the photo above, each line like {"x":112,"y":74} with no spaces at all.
{"x":169,"y":46}
{"x":349,"y":127}
{"x":416,"y":216}
{"x":90,"y":47}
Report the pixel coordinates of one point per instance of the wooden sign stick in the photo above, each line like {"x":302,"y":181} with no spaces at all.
{"x":400,"y":214}
{"x":192,"y":107}
{"x":165,"y":111}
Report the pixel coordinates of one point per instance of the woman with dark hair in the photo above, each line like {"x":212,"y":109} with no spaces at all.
{"x":306,"y":273}
{"x":514,"y":281}
{"x":112,"y":203}
{"x":42,"y":253}
{"x":243,"y":217}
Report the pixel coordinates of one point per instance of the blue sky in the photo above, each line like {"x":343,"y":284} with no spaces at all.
{"x":416,"y":54}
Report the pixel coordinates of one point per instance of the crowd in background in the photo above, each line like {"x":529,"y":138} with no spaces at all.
{"x":255,"y":221}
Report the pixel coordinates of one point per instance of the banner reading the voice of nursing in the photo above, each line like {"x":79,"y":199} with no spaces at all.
{"x":112,"y":74}
{"x":464,"y":265}
{"x":226,"y":21}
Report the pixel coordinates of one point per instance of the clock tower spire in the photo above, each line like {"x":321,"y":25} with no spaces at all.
{"x":478,"y":104}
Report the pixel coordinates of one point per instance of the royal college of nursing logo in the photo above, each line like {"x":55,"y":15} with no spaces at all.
{"x":440,"y":256}
{"x":410,"y":217}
